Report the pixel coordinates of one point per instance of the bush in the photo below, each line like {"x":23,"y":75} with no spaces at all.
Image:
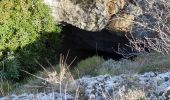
{"x":89,"y":66}
{"x":9,"y":67}
{"x":26,"y":31}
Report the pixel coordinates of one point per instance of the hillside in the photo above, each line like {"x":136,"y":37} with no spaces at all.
{"x":85,"y":50}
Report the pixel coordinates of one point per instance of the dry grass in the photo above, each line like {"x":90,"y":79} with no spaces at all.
{"x":52,"y":80}
{"x":156,"y":62}
{"x":5,"y":87}
{"x":153,"y":61}
{"x":63,"y":76}
{"x":130,"y":95}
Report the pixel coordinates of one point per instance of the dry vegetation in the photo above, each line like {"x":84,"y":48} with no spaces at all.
{"x":158,"y":25}
{"x":5,"y":87}
{"x":130,"y":95}
{"x":60,"y":78}
{"x":153,"y":61}
{"x":57,"y":78}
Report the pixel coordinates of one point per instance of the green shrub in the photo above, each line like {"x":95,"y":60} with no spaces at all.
{"x":89,"y":66}
{"x":27,"y":32}
{"x":9,"y":67}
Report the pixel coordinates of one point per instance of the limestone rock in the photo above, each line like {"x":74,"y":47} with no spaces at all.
{"x":40,"y":96}
{"x":121,"y":24}
{"x":115,"y":15}
{"x":118,"y":87}
{"x":122,"y":87}
{"x":123,"y":21}
{"x":150,"y":15}
{"x":89,"y":15}
{"x":136,"y":19}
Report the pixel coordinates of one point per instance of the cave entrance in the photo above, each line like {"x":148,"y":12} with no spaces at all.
{"x":83,"y":44}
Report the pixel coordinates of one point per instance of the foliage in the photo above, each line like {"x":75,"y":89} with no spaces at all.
{"x":164,"y":66}
{"x":155,"y":62}
{"x":122,"y":66}
{"x":26,"y":31}
{"x":89,"y":66}
{"x":142,"y":63}
{"x":9,"y":67}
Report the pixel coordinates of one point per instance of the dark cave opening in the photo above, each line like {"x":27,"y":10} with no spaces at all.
{"x":83,"y":44}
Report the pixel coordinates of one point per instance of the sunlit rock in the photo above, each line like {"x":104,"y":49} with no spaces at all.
{"x":90,"y":15}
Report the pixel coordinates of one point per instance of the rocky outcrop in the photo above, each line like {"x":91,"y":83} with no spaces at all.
{"x":114,"y":15}
{"x":149,"y":86}
{"x":89,"y":15}
{"x":153,"y":86}
{"x":123,"y":23}
{"x":95,"y":15}
{"x":140,"y":20}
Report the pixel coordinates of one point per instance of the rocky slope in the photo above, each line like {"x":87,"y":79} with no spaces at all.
{"x":149,"y":86}
{"x":154,"y":86}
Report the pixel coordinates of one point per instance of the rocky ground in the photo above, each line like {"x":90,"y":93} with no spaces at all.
{"x":149,"y":86}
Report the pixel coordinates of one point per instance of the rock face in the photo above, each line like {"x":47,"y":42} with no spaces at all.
{"x":90,"y":15}
{"x":114,"y":15}
{"x":138,"y":19}
{"x":121,"y":24}
{"x":149,"y":16}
